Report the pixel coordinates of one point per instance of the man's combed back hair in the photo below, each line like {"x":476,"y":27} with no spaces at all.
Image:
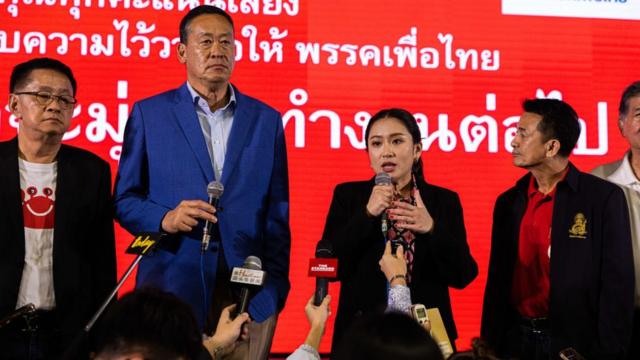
{"x":197,"y":11}
{"x":559,"y":121}
{"x":631,"y":91}
{"x":21,"y":72}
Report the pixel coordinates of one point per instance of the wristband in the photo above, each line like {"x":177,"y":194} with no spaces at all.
{"x":398,"y":276}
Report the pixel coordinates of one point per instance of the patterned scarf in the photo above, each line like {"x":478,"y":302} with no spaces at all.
{"x":403,"y":236}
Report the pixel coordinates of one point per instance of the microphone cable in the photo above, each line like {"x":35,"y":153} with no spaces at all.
{"x":204,"y":289}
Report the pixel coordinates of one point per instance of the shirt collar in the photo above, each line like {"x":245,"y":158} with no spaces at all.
{"x":533,"y":186}
{"x":196,"y":97}
{"x":624,"y":173}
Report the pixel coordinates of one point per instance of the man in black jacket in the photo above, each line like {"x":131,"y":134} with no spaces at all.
{"x":57,"y":248}
{"x":561,"y":267}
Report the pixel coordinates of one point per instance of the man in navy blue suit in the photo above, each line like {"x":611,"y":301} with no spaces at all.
{"x":179,"y":141}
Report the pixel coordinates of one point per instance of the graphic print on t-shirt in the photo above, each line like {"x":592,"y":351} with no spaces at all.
{"x":38,"y":208}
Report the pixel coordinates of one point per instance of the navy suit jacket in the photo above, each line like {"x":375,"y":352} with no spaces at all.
{"x":165,"y":160}
{"x":84,"y":263}
{"x":592,"y":281}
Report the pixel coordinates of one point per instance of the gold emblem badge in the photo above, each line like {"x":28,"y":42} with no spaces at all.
{"x":579,"y":227}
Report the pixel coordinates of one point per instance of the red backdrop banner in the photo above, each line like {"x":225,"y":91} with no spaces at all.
{"x":462,"y":67}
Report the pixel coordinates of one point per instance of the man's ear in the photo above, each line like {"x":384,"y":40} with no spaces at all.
{"x":552,"y":147}
{"x":14,"y":106}
{"x":181,"y":50}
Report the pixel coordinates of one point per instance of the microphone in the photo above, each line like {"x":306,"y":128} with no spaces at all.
{"x":384,"y":179}
{"x":22,"y":311}
{"x":323,"y":267}
{"x":214,"y":190}
{"x":249,"y":277}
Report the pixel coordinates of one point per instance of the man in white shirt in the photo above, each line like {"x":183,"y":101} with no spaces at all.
{"x":57,"y":251}
{"x":626,"y":173}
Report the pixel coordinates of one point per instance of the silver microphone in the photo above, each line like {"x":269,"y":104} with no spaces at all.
{"x":249,"y":277}
{"x":384,"y":179}
{"x":214,"y":190}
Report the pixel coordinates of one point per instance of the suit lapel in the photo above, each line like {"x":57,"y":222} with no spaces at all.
{"x":433,"y":205}
{"x":243,"y":120}
{"x":10,"y":191}
{"x":186,"y":116}
{"x":65,"y":193}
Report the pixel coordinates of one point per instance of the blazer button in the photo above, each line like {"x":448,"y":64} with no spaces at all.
{"x":214,"y":248}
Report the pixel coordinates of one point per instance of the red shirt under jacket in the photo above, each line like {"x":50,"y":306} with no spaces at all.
{"x":530,"y":290}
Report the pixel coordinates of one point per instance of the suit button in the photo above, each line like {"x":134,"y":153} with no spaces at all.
{"x":214,"y":248}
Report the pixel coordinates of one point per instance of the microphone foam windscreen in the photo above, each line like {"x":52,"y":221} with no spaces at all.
{"x":383,"y":179}
{"x":215,"y":189}
{"x":253,"y":262}
{"x":324,"y":249}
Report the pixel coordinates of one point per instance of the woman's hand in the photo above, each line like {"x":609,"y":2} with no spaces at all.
{"x":227,"y":333}
{"x":380,"y":199}
{"x":317,"y":317}
{"x":394,"y":264}
{"x":412,"y":217}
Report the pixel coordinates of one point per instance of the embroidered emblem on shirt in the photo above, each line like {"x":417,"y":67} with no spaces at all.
{"x":579,"y":227}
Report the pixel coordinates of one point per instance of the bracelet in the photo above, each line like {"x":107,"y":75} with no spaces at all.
{"x":398,"y":276}
{"x":217,"y":349}
{"x":217,"y":352}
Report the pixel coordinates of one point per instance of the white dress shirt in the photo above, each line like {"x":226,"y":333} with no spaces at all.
{"x":216,"y":127}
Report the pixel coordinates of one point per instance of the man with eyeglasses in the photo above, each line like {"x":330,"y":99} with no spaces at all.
{"x":626,"y":173}
{"x":57,"y":254}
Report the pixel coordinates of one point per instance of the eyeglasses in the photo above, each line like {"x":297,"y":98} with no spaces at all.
{"x":45,"y":98}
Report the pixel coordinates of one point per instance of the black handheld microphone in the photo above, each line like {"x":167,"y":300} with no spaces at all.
{"x":22,"y":311}
{"x":214,"y":190}
{"x":323,"y":267}
{"x":249,"y":277}
{"x":384,"y":179}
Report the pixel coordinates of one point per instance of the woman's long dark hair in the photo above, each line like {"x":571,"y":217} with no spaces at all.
{"x":409,"y":123}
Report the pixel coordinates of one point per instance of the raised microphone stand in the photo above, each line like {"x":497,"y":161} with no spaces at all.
{"x":142,"y":245}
